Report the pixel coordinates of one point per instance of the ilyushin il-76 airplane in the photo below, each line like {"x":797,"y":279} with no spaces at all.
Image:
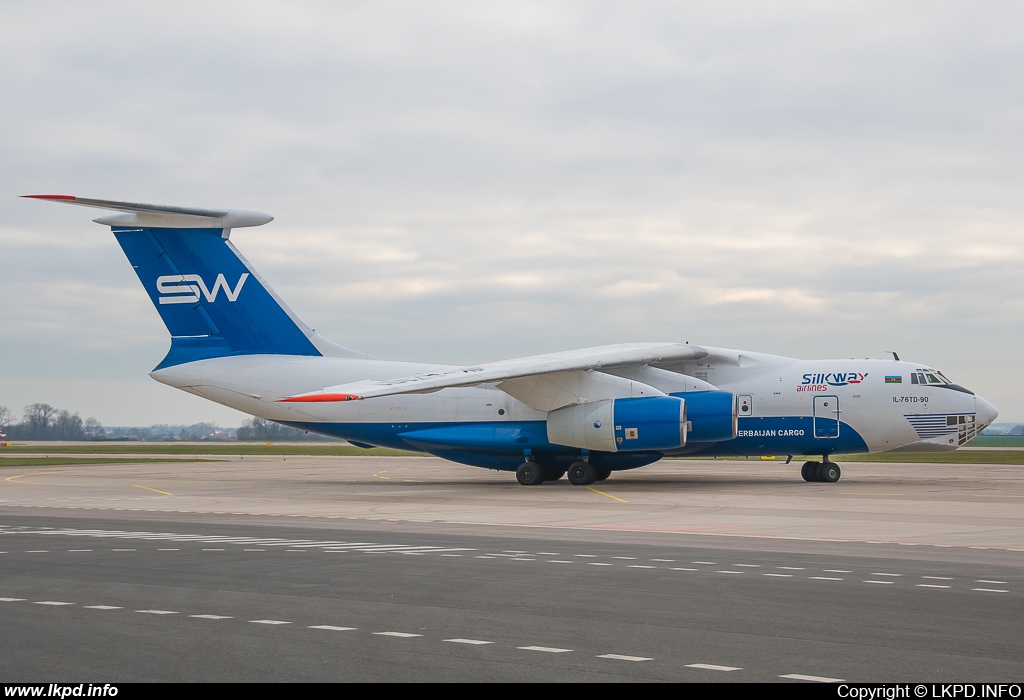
{"x":587,"y":412}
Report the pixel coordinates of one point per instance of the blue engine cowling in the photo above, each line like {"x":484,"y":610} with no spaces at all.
{"x":621,"y":425}
{"x":712,"y":415}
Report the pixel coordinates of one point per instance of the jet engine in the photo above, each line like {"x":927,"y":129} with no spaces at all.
{"x":621,"y":425}
{"x":711,"y":415}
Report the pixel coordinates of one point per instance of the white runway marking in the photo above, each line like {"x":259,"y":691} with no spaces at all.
{"x":397,"y":634}
{"x":11,"y":600}
{"x":79,"y":550}
{"x":888,"y":582}
{"x":548,"y":650}
{"x":709,"y":563}
{"x":749,"y":566}
{"x":815,"y":679}
{"x":990,"y":590}
{"x":331,"y":628}
{"x":622,"y":657}
{"x":880,"y":573}
{"x":680,"y":568}
{"x":467,"y":641}
{"x":122,"y":550}
{"x":779,"y":575}
{"x":103,"y":607}
{"x":270,"y":622}
{"x":158,"y":612}
{"x":559,"y":561}
{"x":52,"y":602}
{"x":939,"y":578}
{"x":837,"y":571}
{"x":714,"y":667}
{"x":982,"y":580}
{"x":730,"y":572}
{"x":791,"y":568}
{"x":626,"y":558}
{"x":931,"y":585}
{"x":641,"y":566}
{"x":667,"y":560}
{"x":212,"y":617}
{"x":828,"y":578}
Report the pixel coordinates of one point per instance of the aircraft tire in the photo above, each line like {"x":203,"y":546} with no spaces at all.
{"x":829,"y":472}
{"x":602,"y":474}
{"x":809,"y":471}
{"x":581,"y":474}
{"x":553,"y":473}
{"x":530,"y":474}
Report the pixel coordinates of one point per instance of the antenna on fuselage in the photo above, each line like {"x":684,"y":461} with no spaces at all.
{"x":895,"y":357}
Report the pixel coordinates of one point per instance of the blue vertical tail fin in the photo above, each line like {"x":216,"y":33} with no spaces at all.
{"x":212,"y":301}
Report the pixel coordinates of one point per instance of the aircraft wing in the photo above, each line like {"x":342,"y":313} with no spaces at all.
{"x":596,"y":358}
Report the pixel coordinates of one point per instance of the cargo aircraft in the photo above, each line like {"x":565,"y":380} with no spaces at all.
{"x":588,"y":412}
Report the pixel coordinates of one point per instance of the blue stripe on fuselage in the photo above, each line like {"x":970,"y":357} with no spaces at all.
{"x":501,"y":445}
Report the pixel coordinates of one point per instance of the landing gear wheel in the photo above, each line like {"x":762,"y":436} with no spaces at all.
{"x":530,"y":474}
{"x":553,"y":473}
{"x":601,"y":474}
{"x":810,"y":471}
{"x":829,"y":472}
{"x":581,"y":474}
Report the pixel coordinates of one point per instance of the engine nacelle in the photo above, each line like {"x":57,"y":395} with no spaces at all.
{"x":621,"y":425}
{"x":712,"y":415}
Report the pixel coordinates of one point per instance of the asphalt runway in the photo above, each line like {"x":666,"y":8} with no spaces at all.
{"x":414,"y":569}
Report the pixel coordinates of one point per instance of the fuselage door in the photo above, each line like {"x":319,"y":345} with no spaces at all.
{"x":826,"y":417}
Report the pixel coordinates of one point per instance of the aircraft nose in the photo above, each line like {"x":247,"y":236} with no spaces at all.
{"x":985,"y":411}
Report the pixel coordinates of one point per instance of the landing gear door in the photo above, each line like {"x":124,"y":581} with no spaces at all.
{"x":744,"y":406}
{"x":826,"y":417}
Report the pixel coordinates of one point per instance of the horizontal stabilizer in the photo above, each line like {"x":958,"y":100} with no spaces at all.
{"x":596,"y":358}
{"x":162,"y":216}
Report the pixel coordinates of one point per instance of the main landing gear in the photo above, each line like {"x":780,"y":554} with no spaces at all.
{"x":531,"y":473}
{"x":824,"y":471}
{"x":581,"y":473}
{"x":584,"y":473}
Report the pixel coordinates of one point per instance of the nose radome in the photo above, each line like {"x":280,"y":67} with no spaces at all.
{"x":986,"y":412}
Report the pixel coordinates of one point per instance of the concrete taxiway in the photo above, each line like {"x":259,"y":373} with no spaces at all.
{"x":366,"y":568}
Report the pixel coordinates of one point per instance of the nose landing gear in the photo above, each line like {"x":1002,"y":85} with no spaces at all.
{"x":824,"y":471}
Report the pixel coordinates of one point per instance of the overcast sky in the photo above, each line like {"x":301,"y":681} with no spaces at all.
{"x":461,"y":182}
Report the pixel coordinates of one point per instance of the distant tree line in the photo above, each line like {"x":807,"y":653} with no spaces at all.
{"x":263,"y":429}
{"x":41,"y":421}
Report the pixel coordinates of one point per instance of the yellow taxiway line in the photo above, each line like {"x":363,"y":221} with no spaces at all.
{"x":614,"y":498}
{"x":166,"y":493}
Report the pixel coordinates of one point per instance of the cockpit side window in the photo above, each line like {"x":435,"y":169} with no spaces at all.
{"x":913,"y":378}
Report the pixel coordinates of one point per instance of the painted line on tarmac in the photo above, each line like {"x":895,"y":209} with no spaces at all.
{"x":614,"y":498}
{"x":166,"y":493}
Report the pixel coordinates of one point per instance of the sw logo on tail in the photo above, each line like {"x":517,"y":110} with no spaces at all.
{"x":189,"y":293}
